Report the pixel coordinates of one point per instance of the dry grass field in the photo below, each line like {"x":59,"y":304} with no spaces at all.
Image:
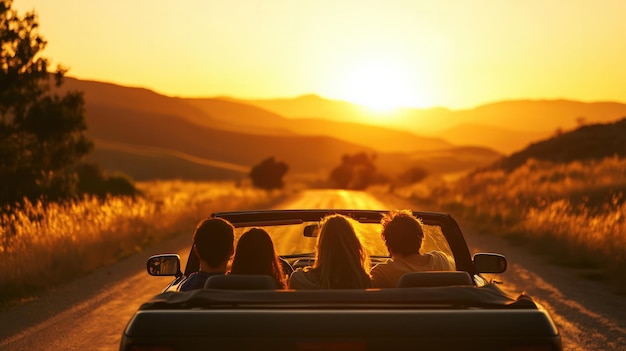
{"x":572,"y":212}
{"x":42,"y":245}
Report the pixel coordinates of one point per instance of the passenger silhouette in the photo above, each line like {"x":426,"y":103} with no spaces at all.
{"x":255,"y":254}
{"x":213,"y":245}
{"x":341,"y":262}
{"x":403,"y":234}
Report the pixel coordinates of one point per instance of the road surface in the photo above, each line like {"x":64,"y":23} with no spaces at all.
{"x":90,"y":313}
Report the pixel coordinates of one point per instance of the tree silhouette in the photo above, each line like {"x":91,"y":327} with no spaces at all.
{"x":41,"y":133}
{"x":269,"y":174}
{"x":413,"y":174}
{"x":355,"y":172}
{"x":92,"y":180}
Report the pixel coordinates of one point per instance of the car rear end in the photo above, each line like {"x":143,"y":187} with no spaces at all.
{"x":422,"y":318}
{"x":339,"y":329}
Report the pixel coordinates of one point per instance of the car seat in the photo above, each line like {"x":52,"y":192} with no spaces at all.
{"x":241,"y":282}
{"x":431,"y":279}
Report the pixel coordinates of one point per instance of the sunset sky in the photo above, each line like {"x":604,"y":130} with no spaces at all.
{"x":456,"y":54}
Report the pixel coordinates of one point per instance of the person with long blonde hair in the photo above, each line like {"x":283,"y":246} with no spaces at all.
{"x":341,"y":262}
{"x":255,"y":254}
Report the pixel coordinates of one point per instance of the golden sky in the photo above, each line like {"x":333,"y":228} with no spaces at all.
{"x":384,"y":53}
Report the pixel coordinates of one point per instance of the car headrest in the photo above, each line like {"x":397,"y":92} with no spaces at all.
{"x":241,"y":282}
{"x":431,"y":279}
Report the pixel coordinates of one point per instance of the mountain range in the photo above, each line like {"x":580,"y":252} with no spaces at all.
{"x":152,"y":136}
{"x":505,"y":126}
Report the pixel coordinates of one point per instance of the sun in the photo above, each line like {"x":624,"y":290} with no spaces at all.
{"x":380,"y":85}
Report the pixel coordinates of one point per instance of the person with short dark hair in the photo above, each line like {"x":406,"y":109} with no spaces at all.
{"x":213,"y":245}
{"x":255,"y":254}
{"x":403,"y":234}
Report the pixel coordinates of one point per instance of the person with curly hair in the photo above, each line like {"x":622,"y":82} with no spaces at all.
{"x":403,"y":234}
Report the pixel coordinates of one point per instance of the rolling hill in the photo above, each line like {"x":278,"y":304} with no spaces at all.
{"x":253,"y":119}
{"x":162,"y":137}
{"x":147,"y":136}
{"x":506,"y":141}
{"x":505,"y":126}
{"x":589,"y":142}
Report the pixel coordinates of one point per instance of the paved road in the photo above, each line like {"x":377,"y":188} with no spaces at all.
{"x":91,"y":312}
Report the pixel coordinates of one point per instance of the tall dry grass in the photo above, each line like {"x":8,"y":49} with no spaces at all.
{"x":573,"y":212}
{"x":44,"y":244}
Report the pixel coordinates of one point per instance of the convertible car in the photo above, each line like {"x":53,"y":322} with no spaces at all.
{"x":454,"y":310}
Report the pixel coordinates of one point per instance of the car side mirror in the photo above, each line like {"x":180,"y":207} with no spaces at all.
{"x":164,"y":265}
{"x":489,"y":263}
{"x":311,"y":231}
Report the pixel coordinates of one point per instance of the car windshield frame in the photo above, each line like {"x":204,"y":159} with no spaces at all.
{"x":272,"y":219}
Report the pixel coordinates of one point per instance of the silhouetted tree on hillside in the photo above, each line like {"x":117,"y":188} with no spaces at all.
{"x":414,"y":174}
{"x":93,"y":180}
{"x":41,"y":133}
{"x":269,"y":174}
{"x":355,"y":172}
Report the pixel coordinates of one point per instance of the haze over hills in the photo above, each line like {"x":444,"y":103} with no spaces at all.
{"x":504,"y":140}
{"x":590,"y":142}
{"x":148,"y":136}
{"x":541,"y":115}
{"x":505,"y":126}
{"x":251,"y":119}
{"x":310,"y":106}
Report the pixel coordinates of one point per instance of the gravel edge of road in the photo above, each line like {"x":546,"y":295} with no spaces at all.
{"x":606,"y":335}
{"x":72,"y":293}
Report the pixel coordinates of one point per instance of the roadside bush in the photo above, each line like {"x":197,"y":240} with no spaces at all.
{"x":414,"y":174}
{"x":93,"y":181}
{"x":356,"y":172}
{"x":269,"y":174}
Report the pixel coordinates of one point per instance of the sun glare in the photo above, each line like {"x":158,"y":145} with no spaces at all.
{"x":380,"y":86}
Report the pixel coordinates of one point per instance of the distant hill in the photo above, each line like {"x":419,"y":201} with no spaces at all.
{"x":130,"y":98}
{"x":150,"y":136}
{"x":310,"y":106}
{"x":452,"y":161}
{"x":253,"y":119}
{"x":505,"y":126}
{"x":541,"y":115}
{"x":241,"y":117}
{"x":504,"y":140}
{"x":142,"y":138}
{"x":418,"y":121}
{"x":589,"y":142}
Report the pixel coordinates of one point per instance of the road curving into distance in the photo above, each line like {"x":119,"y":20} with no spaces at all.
{"x":91,"y":312}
